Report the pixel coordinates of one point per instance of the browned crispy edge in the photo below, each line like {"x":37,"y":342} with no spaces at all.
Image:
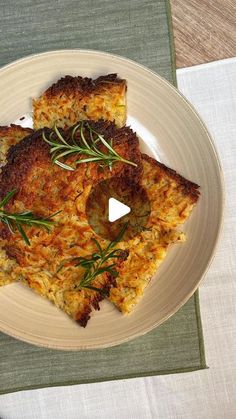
{"x":110,"y":283}
{"x":21,"y":157}
{"x":33,"y":148}
{"x":188,"y":187}
{"x":13,"y":130}
{"x":83,"y":320}
{"x":68,"y":84}
{"x":121,"y":136}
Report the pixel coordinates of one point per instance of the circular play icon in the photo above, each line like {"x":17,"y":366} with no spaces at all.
{"x":116,"y":202}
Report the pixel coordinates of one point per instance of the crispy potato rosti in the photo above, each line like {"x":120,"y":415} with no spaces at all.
{"x":44,"y":188}
{"x":172,"y":199}
{"x":10,"y":136}
{"x":78,"y":98}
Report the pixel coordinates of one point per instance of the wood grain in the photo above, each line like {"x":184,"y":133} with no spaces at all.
{"x":204,"y":30}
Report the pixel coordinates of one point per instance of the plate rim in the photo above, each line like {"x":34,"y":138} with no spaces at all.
{"x":24,"y":336}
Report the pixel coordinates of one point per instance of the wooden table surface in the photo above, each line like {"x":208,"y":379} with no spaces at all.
{"x":204,"y":30}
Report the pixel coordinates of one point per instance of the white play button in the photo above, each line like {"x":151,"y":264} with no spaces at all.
{"x":114,"y":203}
{"x":116,"y":209}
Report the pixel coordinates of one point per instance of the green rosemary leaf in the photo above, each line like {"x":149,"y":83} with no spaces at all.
{"x":59,"y":135}
{"x":52,"y":143}
{"x":107,"y":145}
{"x":96,"y":256}
{"x":23,"y":234}
{"x":61,"y":149}
{"x":15,"y":221}
{"x":63,"y":165}
{"x":114,"y":273}
{"x":53,"y":215}
{"x":63,"y":154}
{"x":113,"y":255}
{"x":96,"y":263}
{"x":82,"y":135}
{"x":75,"y":129}
{"x":118,"y":238}
{"x":98,"y":245}
{"x":9,"y":225}
{"x":7,"y":198}
{"x":88,"y":160}
{"x":85,"y":263}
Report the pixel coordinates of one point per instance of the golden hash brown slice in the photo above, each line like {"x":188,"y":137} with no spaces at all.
{"x":172,"y":199}
{"x":146,"y":251}
{"x":78,"y":98}
{"x":32,"y":154}
{"x":10,"y":136}
{"x":44,"y":188}
{"x":172,"y":196}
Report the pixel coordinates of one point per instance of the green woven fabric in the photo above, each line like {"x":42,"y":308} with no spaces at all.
{"x":140,"y":30}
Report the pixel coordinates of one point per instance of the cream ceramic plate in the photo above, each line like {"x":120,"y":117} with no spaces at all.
{"x":173,"y":133}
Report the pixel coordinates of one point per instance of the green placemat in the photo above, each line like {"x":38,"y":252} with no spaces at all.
{"x":140,"y":30}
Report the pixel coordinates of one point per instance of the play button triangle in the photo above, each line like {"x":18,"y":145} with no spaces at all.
{"x":116,"y":209}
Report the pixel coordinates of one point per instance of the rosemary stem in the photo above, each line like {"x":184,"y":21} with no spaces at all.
{"x":61,"y":149}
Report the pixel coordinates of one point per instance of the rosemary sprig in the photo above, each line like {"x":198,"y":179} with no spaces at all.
{"x":14,"y":221}
{"x":60,"y":148}
{"x":97,"y":263}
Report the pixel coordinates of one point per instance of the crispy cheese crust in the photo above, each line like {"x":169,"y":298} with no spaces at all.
{"x":44,"y":189}
{"x":77,"y":98}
